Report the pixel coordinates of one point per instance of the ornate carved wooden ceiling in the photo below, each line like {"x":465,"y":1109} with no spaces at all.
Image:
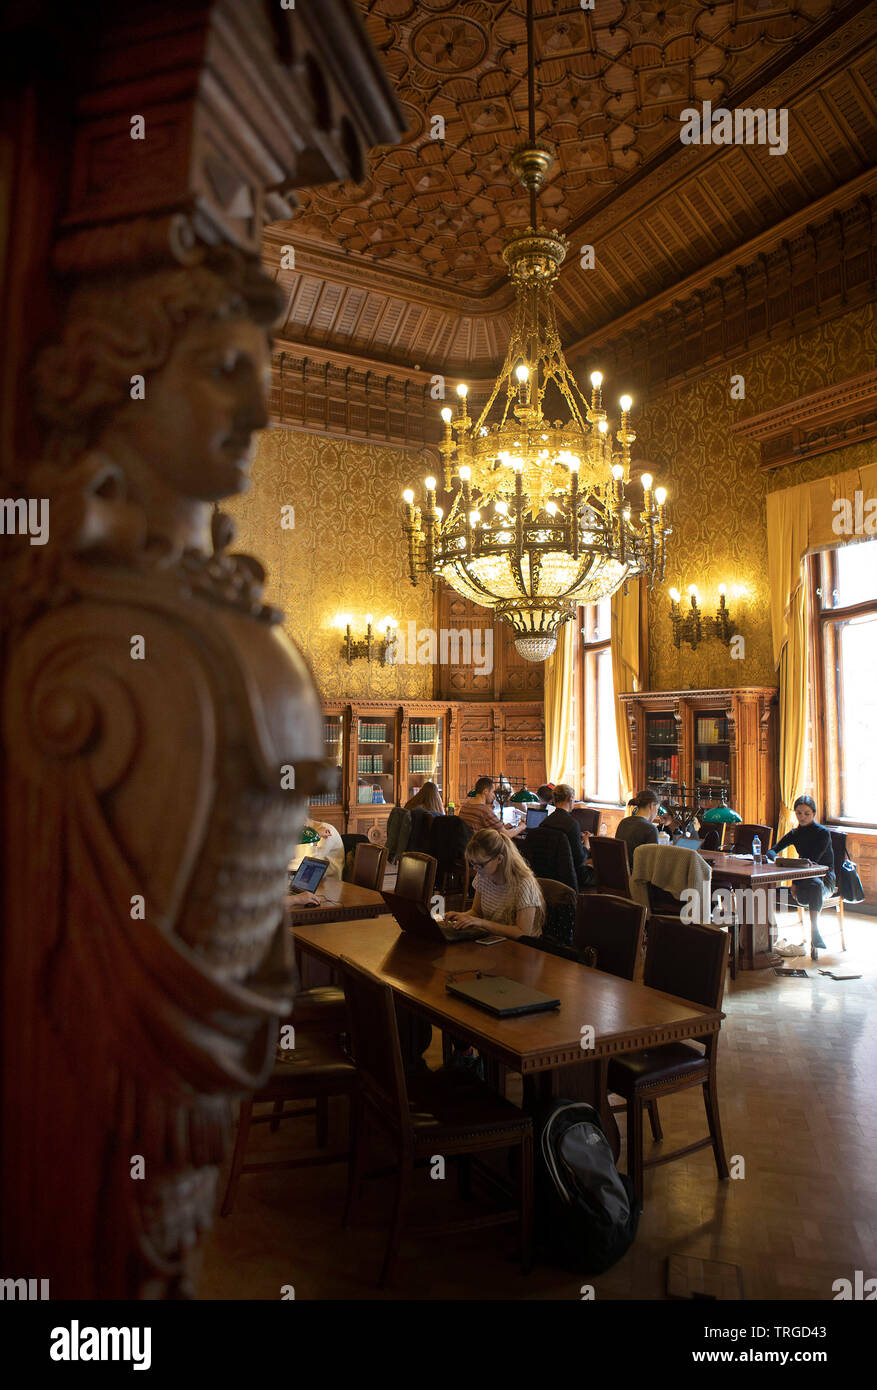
{"x":406,"y":268}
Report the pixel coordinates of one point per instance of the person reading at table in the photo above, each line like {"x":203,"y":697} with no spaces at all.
{"x":477,"y":810}
{"x":812,"y":842}
{"x":639,"y":827}
{"x":508,"y":900}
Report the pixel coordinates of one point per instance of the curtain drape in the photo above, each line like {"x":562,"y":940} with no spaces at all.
{"x":799,"y":520}
{"x":559,"y":676}
{"x":625,"y":647}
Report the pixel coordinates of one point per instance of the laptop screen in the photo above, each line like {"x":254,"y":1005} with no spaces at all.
{"x":309,"y":874}
{"x":535,"y":816}
{"x":509,"y":815}
{"x":687,"y":842}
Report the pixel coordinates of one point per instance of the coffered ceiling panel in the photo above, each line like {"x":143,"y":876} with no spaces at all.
{"x":406,"y":268}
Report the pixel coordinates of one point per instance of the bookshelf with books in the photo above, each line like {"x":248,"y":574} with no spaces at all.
{"x":330,"y":805}
{"x":423,"y":736}
{"x":710,"y":741}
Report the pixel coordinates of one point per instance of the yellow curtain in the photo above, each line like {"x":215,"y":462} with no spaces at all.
{"x":559,"y":676}
{"x":788,"y":532}
{"x":624,"y":633}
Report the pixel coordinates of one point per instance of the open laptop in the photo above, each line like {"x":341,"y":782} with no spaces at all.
{"x":308,"y":876}
{"x":501,"y":997}
{"x":418,"y":921}
{"x":509,"y":816}
{"x":535,"y":816}
{"x":686,"y":841}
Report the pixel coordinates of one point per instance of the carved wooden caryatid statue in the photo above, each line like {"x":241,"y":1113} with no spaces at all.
{"x":160,"y":733}
{"x":163,"y":734}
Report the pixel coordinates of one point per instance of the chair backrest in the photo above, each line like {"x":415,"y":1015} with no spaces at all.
{"x":398,"y":832}
{"x":374,"y":1043}
{"x":421,"y":824}
{"x":548,"y":853}
{"x":587,"y":817}
{"x":369,"y":862}
{"x":613,"y":927}
{"x":743,"y":835}
{"x":611,"y":866}
{"x":447,"y":841}
{"x":416,"y":876}
{"x":839,"y":850}
{"x":560,"y":910}
{"x":710,"y":839}
{"x":687,"y":960}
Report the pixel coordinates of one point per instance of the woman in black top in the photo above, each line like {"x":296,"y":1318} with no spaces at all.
{"x":813,"y":842}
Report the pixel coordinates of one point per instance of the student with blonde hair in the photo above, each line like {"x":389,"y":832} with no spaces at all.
{"x":508,"y":900}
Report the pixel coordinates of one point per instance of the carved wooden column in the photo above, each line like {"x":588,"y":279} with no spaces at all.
{"x":160,"y":732}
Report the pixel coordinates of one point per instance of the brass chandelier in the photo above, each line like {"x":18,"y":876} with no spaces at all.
{"x":540,"y":520}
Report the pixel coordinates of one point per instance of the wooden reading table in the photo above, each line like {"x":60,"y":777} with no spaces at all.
{"x":624,"y":1016}
{"x":738,"y":871}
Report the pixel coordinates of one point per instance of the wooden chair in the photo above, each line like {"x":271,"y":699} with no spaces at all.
{"x":613,"y":927}
{"x":448,"y":838}
{"x":445,"y":1113}
{"x":416,"y":876}
{"x":611,"y":865}
{"x":711,"y":838}
{"x":369,"y":862}
{"x":687,"y":961}
{"x":739,"y":838}
{"x":560,"y":911}
{"x":350,"y":843}
{"x":588,"y":819}
{"x":315,"y":1069}
{"x":548,"y":853}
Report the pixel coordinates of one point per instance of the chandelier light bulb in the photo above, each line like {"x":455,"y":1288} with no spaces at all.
{"x":660,"y":495}
{"x":723,"y":589}
{"x":502,"y":508}
{"x":368,"y":619}
{"x":474,"y":517}
{"x":522,"y":372}
{"x":408,"y":496}
{"x":602,"y":426}
{"x":518,"y":465}
{"x":675,"y":595}
{"x":462,"y":390}
{"x":465,"y":473}
{"x":596,"y":379}
{"x":692,"y":591}
{"x":574,"y":463}
{"x":617,"y":472}
{"x":429,"y":484}
{"x":625,"y":403}
{"x":447,"y":414}
{"x":647,"y":481}
{"x":543,"y":436}
{"x":341,"y":620}
{"x":439,"y":511}
{"x":551,"y":508}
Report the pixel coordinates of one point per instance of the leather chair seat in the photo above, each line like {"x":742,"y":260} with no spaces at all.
{"x":315,"y":1058}
{"x":451,"y":1100}
{"x":324,"y":1006}
{"x":655,"y":1064}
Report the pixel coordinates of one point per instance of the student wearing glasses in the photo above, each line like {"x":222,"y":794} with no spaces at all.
{"x":508,"y":900}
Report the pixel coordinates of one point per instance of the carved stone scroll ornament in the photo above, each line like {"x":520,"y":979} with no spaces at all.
{"x":153,"y":711}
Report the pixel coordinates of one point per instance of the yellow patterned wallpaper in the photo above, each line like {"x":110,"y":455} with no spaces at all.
{"x":345,"y":554}
{"x":717,"y":491}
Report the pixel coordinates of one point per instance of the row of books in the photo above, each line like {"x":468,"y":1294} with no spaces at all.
{"x":663,"y":769}
{"x":370,"y":762}
{"x":373,"y":733}
{"x":331,"y":733}
{"x":712,"y":730}
{"x":422,"y":733}
{"x":420,"y":762}
{"x":710,"y":770}
{"x":662,"y":731}
{"x":323,"y":799}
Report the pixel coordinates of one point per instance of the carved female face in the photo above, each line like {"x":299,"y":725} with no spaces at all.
{"x":195,"y":426}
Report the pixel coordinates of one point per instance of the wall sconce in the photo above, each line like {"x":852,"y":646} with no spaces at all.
{"x":370,"y":648}
{"x":693,"y":626}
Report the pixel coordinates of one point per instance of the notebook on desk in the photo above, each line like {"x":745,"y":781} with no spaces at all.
{"x":501,"y":997}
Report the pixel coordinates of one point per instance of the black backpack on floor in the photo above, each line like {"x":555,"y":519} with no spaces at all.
{"x":586,"y":1212}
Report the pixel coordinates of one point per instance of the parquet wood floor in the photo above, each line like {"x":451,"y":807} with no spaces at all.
{"x":798,"y":1095}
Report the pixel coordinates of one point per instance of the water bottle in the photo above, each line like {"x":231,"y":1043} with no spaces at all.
{"x":756,"y":850}
{"x":603,"y":830}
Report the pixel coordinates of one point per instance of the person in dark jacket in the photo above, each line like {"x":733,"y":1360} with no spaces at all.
{"x":639,"y":827}
{"x":562,"y":819}
{"x":812,"y":842}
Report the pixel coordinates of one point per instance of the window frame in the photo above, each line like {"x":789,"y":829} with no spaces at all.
{"x":823,"y":684}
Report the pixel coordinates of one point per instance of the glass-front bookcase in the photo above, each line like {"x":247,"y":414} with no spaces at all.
{"x":662,"y":749}
{"x":712,"y":750}
{"x":424,"y":756}
{"x":375,"y":760}
{"x":329,"y":805}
